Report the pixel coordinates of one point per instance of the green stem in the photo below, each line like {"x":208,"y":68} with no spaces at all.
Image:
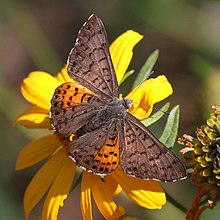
{"x":76,"y":181}
{"x":175,"y":203}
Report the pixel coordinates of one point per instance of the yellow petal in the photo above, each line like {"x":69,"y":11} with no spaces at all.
{"x":42,"y":180}
{"x":121,"y":51}
{"x":37,"y":150}
{"x":103,"y":191}
{"x":59,"y":189}
{"x":147,"y":94}
{"x":145,"y":193}
{"x":38,"y":88}
{"x":118,"y":190}
{"x":86,"y":204}
{"x":34,"y":117}
{"x":63,"y":76}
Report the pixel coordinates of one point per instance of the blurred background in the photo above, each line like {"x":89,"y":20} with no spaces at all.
{"x":38,"y":35}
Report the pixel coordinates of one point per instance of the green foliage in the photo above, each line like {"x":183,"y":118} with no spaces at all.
{"x":170,"y":132}
{"x":146,"y":68}
{"x":127,"y":74}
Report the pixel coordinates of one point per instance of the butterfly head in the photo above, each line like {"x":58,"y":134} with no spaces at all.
{"x":127,"y":103}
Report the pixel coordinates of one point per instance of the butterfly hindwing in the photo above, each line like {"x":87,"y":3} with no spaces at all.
{"x":144,"y":156}
{"x":72,"y":106}
{"x":98,"y":150}
{"x":89,"y":62}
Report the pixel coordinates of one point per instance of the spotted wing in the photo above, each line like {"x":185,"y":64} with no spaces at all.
{"x":97,"y":151}
{"x":89,"y":62}
{"x":72,"y":106}
{"x":144,"y":156}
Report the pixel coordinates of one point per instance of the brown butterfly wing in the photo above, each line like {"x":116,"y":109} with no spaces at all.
{"x":144,"y":156}
{"x":89,"y":62}
{"x":72,"y":106}
{"x":98,"y":150}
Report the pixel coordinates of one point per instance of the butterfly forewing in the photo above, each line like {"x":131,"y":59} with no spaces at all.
{"x":89,"y":62}
{"x":72,"y":106}
{"x":143,"y":156}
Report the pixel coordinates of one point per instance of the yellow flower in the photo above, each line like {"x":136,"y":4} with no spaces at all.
{"x":56,"y":176}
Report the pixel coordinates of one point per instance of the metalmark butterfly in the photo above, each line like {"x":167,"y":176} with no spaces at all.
{"x":108,"y":136}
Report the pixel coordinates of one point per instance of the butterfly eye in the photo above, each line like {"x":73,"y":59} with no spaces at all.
{"x":127,"y":103}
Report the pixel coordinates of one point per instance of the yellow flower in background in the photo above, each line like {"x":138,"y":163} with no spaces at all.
{"x":56,"y":176}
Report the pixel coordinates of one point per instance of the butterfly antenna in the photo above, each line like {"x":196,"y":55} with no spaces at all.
{"x":154,"y":108}
{"x":150,"y":73}
{"x":157,"y":109}
{"x":139,"y":101}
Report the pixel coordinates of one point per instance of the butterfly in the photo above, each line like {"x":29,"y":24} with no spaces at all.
{"x":108,"y":136}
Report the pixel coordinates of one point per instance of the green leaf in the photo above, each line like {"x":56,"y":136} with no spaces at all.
{"x":168,"y":138}
{"x":77,"y":179}
{"x":127,"y":74}
{"x":156,"y":116}
{"x":146,"y":68}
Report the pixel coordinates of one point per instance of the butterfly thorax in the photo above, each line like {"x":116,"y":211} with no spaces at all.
{"x":114,"y":110}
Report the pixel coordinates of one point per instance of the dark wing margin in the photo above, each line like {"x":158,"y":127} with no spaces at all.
{"x":145,"y":157}
{"x":89,"y":62}
{"x":98,"y":150}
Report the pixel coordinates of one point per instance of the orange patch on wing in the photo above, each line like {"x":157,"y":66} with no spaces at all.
{"x":70,"y":101}
{"x":108,"y":157}
{"x":71,"y":93}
